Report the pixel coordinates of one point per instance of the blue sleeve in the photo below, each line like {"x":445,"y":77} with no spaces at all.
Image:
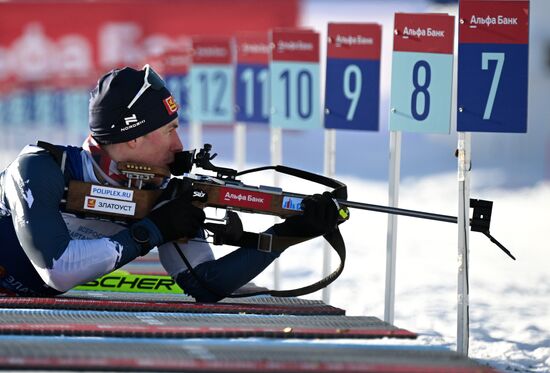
{"x":226,"y":274}
{"x":125,"y":238}
{"x":33,"y":187}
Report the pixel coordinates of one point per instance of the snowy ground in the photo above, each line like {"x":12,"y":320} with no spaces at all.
{"x":509,"y":300}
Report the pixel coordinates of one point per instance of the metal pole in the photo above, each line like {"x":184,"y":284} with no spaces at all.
{"x":464,"y":169}
{"x":391,"y":240}
{"x":240,"y":145}
{"x":330,"y":170}
{"x":276,"y":159}
{"x":399,"y":211}
{"x":195,"y":134}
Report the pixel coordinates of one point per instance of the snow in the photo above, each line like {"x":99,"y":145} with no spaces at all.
{"x":509,"y":300}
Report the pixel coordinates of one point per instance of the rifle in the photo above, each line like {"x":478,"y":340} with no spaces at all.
{"x":225,"y":191}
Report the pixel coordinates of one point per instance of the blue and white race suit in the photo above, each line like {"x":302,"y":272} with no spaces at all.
{"x":44,"y":251}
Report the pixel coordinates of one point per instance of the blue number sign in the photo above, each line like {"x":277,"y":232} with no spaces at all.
{"x":493,"y":66}
{"x":352,"y":90}
{"x":252,"y":82}
{"x":178,"y":85}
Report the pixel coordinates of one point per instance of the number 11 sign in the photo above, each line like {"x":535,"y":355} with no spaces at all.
{"x":492,"y":66}
{"x":252,"y":83}
{"x":422,"y":73}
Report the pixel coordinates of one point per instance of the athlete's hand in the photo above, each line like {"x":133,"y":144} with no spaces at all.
{"x":175,"y":188}
{"x":175,"y":216}
{"x":320,"y":217}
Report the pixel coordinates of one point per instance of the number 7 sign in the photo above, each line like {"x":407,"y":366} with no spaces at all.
{"x":493,"y":66}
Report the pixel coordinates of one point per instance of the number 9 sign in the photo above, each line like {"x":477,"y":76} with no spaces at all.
{"x":353,"y":76}
{"x":422,"y":73}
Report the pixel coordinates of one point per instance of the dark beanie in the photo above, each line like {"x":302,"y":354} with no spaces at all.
{"x":110,"y":119}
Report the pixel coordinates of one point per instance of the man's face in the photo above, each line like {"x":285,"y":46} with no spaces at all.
{"x":157,"y":148}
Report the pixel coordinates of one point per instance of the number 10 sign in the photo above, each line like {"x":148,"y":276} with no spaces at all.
{"x":492,"y":66}
{"x":295,"y":96}
{"x":422,"y":73}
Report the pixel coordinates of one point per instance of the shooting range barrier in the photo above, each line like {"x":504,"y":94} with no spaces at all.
{"x":151,"y":302}
{"x":178,"y":325}
{"x":199,"y":355}
{"x":97,"y":331}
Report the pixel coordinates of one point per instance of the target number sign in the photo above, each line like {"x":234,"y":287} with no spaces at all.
{"x":294,"y":79}
{"x":493,"y":66}
{"x":212,"y":81}
{"x":352,"y":90}
{"x":422,"y":73}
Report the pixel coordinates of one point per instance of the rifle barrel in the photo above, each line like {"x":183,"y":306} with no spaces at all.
{"x":399,"y":211}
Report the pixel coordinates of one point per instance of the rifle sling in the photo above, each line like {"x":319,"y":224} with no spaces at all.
{"x":258,"y":241}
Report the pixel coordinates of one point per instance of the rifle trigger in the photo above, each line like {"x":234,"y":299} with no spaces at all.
{"x":227,"y":233}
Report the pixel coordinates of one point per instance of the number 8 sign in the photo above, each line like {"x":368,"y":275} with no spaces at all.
{"x":422,"y":73}
{"x":493,"y":66}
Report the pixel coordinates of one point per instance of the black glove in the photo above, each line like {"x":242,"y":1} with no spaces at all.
{"x":175,"y":188}
{"x":320,"y":217}
{"x":177,"y":218}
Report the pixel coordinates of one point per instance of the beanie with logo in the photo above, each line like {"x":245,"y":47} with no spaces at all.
{"x":129,"y":103}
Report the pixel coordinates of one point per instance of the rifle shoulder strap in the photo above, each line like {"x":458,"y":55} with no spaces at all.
{"x":267,"y":242}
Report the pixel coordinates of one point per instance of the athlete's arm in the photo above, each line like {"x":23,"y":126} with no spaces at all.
{"x":33,"y":188}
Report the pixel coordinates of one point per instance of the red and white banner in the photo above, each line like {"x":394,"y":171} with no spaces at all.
{"x":70,"y":42}
{"x":212,"y":50}
{"x":253,"y":48}
{"x":424,"y":33}
{"x":295,"y":45}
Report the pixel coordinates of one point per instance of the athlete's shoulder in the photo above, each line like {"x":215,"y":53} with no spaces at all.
{"x":38,"y":166}
{"x":52,"y":159}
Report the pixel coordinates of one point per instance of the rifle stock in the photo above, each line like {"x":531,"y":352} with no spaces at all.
{"x":251,"y":199}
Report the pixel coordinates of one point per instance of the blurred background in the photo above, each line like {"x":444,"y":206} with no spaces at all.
{"x":53,"y":52}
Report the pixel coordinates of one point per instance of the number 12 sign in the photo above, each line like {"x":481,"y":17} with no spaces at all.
{"x":295,"y":87}
{"x":352,"y":93}
{"x":422,"y":73}
{"x":212,"y":81}
{"x":492,"y":66}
